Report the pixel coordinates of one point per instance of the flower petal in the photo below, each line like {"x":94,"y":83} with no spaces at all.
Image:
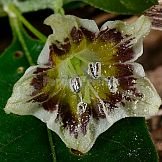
{"x":84,"y":142}
{"x":149,"y":105}
{"x":44,"y":56}
{"x":19,"y":103}
{"x":67,"y":30}
{"x":127,"y":38}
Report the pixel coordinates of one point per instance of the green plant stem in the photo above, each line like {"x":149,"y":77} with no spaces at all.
{"x":58,"y":7}
{"x":16,"y":26}
{"x":38,"y":34}
{"x":51,"y":145}
{"x":33,"y":29}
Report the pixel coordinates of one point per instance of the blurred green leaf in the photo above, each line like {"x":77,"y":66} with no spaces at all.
{"x":115,"y":6}
{"x":122,"y":6}
{"x":74,"y":5}
{"x":30,"y":5}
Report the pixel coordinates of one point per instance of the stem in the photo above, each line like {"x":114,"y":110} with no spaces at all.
{"x":58,"y":7}
{"x":16,"y":27}
{"x":13,"y":9}
{"x":33,"y":29}
{"x":51,"y":145}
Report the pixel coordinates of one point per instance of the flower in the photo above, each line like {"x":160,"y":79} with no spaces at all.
{"x":86,"y":79}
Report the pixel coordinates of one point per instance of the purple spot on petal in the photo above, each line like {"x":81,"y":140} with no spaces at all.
{"x":110,"y":35}
{"x":125,"y":51}
{"x":60,"y":48}
{"x":97,"y":111}
{"x":85,"y":117}
{"x":76,"y":35}
{"x":40,"y":98}
{"x":88,"y":34}
{"x":40,"y":70}
{"x":124,"y":70}
{"x":127,"y":82}
{"x":50,"y":105}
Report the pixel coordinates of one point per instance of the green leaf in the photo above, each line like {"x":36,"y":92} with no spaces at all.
{"x":115,"y":6}
{"x":71,"y":5}
{"x":30,"y":5}
{"x":122,"y":6}
{"x":21,"y":138}
{"x":25,"y":139}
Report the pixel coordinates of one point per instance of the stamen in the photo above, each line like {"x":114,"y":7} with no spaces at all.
{"x":112,"y":84}
{"x":94,"y":69}
{"x":75,"y":84}
{"x":82,"y":106}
